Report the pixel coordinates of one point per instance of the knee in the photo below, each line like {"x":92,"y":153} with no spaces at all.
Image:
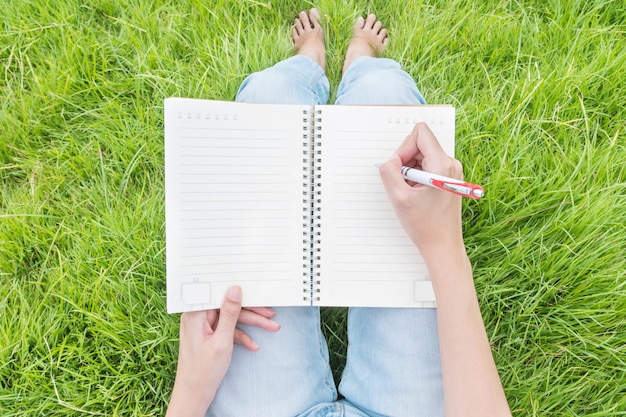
{"x":381,"y":86}
{"x":276,"y":87}
{"x":391,"y":87}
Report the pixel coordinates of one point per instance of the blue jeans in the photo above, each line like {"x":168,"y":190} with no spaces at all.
{"x":392,"y":366}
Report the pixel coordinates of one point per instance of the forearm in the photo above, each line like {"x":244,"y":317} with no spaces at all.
{"x":432,"y":219}
{"x":185,"y":402}
{"x":472,"y":386}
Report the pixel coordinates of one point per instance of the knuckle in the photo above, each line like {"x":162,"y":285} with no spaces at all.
{"x":452,"y":167}
{"x":449,"y":165}
{"x":230,"y":313}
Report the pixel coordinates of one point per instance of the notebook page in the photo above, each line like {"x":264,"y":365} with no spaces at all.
{"x":233,"y":179}
{"x":366,"y":257}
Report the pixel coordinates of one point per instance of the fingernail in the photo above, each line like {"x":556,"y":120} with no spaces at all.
{"x":234,"y":294}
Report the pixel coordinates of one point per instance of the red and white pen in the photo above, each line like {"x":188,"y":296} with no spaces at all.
{"x":452,"y":185}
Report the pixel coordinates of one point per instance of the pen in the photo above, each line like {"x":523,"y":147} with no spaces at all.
{"x":455,"y":186}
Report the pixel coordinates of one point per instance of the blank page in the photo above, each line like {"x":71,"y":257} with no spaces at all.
{"x":366,"y":257}
{"x":233,"y":178}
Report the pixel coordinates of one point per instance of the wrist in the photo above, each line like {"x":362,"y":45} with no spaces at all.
{"x":449,"y":268}
{"x":439,"y":249}
{"x":185,"y":403}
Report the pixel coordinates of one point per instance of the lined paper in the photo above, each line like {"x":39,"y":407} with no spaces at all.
{"x":233,"y":202}
{"x":366,"y":257}
{"x":235,"y":179}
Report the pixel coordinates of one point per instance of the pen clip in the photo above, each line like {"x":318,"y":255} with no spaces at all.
{"x":461,"y":188}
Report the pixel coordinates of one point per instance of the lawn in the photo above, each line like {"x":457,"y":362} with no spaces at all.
{"x":540,"y":92}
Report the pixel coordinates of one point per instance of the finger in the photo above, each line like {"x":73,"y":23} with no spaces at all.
{"x":229,"y":313}
{"x":253,"y":319}
{"x":242,"y":338}
{"x":212,"y":317}
{"x":423,"y":147}
{"x":420,"y":140}
{"x":427,"y":143}
{"x":193,"y":322}
{"x":449,"y":167}
{"x":263,"y":311}
{"x":432,"y":157}
{"x":390,"y":173}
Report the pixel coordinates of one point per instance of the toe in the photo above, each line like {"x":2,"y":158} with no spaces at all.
{"x":304,"y":18}
{"x":369,"y":22}
{"x":360,"y":22}
{"x":314,"y":14}
{"x":383,"y":35}
{"x":297,"y":25}
{"x":377,"y":27}
{"x":294,"y":34}
{"x":313,"y":18}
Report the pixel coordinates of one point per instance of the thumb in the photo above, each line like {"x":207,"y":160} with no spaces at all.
{"x":229,"y":312}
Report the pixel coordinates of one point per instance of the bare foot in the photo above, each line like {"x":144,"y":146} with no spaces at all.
{"x":308,"y":37}
{"x":369,"y":39}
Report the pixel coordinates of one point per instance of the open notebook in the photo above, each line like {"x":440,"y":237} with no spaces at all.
{"x":286,"y":201}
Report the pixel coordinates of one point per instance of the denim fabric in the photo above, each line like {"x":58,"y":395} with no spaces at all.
{"x":377,"y":81}
{"x":393,"y":366}
{"x":297,"y":80}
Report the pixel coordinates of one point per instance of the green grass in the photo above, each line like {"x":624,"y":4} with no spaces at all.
{"x":540,"y":91}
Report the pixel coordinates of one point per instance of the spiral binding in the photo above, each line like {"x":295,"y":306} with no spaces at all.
{"x":311,"y":216}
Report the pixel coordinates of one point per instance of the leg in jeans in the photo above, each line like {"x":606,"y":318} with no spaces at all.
{"x":297,"y":80}
{"x":371,"y":80}
{"x":290,"y":372}
{"x":393,"y":366}
{"x":286,"y":376}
